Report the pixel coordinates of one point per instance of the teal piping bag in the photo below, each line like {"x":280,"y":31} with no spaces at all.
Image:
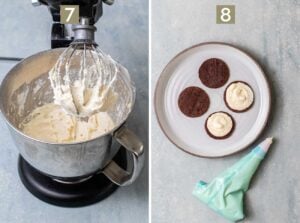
{"x":225,"y":193}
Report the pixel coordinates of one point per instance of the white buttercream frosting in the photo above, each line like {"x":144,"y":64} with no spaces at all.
{"x":51,"y":123}
{"x":239,"y":96}
{"x":219,"y":124}
{"x":83,"y":81}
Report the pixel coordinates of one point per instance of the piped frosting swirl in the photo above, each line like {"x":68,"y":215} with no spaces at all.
{"x":239,"y":96}
{"x":219,"y":124}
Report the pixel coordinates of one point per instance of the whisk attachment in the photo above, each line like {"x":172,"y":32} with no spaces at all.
{"x":83,"y":76}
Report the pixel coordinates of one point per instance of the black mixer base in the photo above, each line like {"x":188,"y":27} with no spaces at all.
{"x":90,"y":191}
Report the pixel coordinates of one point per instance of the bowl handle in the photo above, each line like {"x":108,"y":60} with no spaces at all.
{"x":135,"y":147}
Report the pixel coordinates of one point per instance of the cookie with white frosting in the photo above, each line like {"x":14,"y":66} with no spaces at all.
{"x":239,"y":96}
{"x":219,"y":125}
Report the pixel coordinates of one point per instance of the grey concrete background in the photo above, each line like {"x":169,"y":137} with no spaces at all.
{"x":270,"y":32}
{"x":123,"y":33}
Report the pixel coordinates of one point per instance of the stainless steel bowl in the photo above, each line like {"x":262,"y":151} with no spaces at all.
{"x":26,"y":87}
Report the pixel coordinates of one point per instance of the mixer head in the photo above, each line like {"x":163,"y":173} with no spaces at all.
{"x":62,"y":35}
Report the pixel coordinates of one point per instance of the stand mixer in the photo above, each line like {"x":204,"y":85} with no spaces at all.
{"x":71,"y":174}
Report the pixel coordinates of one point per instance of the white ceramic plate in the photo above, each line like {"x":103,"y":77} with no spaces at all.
{"x":189,"y":134}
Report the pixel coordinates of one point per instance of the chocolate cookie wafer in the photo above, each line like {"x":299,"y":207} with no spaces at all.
{"x":214,"y":73}
{"x":193,"y":102}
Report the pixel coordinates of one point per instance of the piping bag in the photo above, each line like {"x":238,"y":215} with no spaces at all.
{"x":225,"y":193}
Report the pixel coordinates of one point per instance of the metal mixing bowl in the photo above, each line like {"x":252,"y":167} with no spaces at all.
{"x":26,"y":87}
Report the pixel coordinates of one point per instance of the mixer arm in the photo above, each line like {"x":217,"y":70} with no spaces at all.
{"x":61,"y":35}
{"x":91,"y":9}
{"x":135,"y":147}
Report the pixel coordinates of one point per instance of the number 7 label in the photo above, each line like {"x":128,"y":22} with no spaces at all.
{"x":225,"y":14}
{"x":69,"y":14}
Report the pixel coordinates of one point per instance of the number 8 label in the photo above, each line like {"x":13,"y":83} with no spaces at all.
{"x":225,"y":14}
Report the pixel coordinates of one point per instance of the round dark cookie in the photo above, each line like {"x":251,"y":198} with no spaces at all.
{"x":214,"y":73}
{"x":193,"y":102}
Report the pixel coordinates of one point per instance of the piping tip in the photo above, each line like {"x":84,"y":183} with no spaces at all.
{"x":270,"y":139}
{"x":265,"y":145}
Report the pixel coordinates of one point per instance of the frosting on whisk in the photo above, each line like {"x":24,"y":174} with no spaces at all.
{"x":82,"y":80}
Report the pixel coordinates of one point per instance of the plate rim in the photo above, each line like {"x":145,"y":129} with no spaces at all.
{"x":182,"y":52}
